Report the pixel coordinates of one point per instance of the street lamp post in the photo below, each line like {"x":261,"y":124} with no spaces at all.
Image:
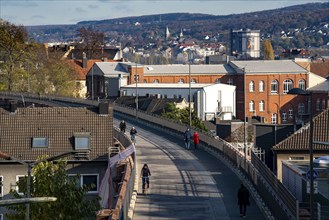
{"x":245,"y":116}
{"x":189,"y":89}
{"x":29,"y":169}
{"x":92,"y":83}
{"x":136,"y":80}
{"x":298,"y":91}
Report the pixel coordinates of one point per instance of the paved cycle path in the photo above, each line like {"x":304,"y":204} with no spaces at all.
{"x":184,"y":184}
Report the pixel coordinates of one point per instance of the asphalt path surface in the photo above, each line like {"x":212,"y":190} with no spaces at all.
{"x":184,"y":184}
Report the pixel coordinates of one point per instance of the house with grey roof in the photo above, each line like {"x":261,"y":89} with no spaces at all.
{"x":28,"y":133}
{"x":104,"y":79}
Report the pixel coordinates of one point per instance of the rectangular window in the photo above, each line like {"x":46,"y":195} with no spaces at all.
{"x":19,"y":178}
{"x":88,"y":180}
{"x":39,"y":142}
{"x":82,"y":141}
{"x":274,"y":118}
{"x":291,"y":113}
{"x":284,"y":117}
{"x":1,"y":186}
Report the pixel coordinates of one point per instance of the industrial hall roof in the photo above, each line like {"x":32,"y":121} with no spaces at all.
{"x":181,"y":69}
{"x":299,"y":141}
{"x":28,"y":133}
{"x":268,"y":66}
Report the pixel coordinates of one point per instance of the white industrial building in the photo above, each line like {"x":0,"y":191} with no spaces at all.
{"x":209,"y":100}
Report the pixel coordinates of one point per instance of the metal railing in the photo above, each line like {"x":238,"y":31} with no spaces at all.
{"x":127,"y":184}
{"x":270,"y":191}
{"x":255,"y":173}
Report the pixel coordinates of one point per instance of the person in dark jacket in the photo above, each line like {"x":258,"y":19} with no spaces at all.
{"x":187,"y":138}
{"x":122,"y":126}
{"x":243,"y":200}
{"x":145,"y":174}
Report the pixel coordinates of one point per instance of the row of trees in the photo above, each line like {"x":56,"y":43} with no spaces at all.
{"x":26,"y":66}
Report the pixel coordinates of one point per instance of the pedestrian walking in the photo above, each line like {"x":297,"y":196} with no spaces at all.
{"x":123,"y":126}
{"x":187,"y":138}
{"x":243,"y":200}
{"x":196,"y":139}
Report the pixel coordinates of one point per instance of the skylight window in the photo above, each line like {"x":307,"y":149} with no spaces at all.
{"x":39,"y":142}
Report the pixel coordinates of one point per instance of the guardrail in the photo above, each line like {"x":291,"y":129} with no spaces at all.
{"x":281,"y":203}
{"x":277,"y":201}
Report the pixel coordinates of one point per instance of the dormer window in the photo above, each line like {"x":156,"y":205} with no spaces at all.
{"x":82,"y":141}
{"x":40,"y":142}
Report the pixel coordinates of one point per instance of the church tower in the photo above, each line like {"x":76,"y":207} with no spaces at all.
{"x":167,"y":33}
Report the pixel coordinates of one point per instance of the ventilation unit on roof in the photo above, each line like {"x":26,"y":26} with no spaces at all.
{"x":149,"y":68}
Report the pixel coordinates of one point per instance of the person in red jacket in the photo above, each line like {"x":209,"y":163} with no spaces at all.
{"x":196,"y":139}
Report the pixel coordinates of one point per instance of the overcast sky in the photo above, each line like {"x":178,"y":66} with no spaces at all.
{"x":42,"y":12}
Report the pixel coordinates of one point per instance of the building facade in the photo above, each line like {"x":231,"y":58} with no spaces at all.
{"x":28,"y":133}
{"x":261,"y":86}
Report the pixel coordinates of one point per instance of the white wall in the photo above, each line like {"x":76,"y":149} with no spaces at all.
{"x":222,"y":93}
{"x":206,"y":97}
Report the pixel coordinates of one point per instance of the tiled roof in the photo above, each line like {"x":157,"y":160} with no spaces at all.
{"x":320,"y":67}
{"x":77,"y":66}
{"x":300,"y":139}
{"x":96,"y":53}
{"x":269,"y":66}
{"x":148,"y":104}
{"x":57,"y":124}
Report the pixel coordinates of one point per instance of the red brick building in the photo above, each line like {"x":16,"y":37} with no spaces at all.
{"x":262,"y":86}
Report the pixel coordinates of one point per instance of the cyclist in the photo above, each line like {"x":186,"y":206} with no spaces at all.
{"x":145,"y":174}
{"x":133,"y":133}
{"x":122,"y":126}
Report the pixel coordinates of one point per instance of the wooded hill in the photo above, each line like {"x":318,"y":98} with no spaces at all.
{"x":304,"y":26}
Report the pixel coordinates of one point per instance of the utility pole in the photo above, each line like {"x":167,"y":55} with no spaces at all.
{"x":190,"y":116}
{"x":136,"y":80}
{"x":245,"y":115}
{"x":92,"y":83}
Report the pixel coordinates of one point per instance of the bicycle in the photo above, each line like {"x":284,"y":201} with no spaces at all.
{"x":133,"y":138}
{"x":145,"y":184}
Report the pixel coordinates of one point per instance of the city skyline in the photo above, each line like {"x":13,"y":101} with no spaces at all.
{"x":37,"y":12}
